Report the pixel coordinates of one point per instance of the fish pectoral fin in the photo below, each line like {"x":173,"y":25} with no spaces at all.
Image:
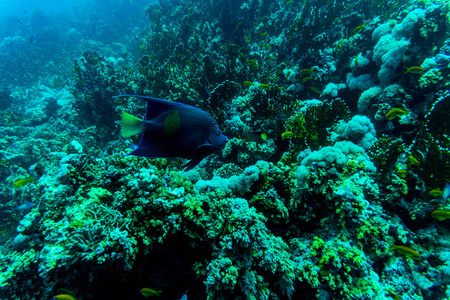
{"x":206,"y":144}
{"x":190,"y":165}
{"x":131,"y":125}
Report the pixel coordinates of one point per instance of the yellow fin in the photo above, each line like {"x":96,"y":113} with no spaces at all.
{"x":171,"y":125}
{"x":131,"y":125}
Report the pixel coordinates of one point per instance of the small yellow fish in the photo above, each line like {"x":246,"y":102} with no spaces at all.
{"x":313,"y":138}
{"x":435,"y":193}
{"x":263,"y":86}
{"x":248,"y":83}
{"x":396,"y":112}
{"x":441,"y":214}
{"x":314,"y":90}
{"x":286,"y":135}
{"x":253,"y":64}
{"x":306,"y":79}
{"x":408,"y":252}
{"x":90,"y":99}
{"x":358,"y":29}
{"x":307,"y":71}
{"x":338,"y":45}
{"x":149,"y":292}
{"x":414,"y":70}
{"x":23,"y":182}
{"x":64,"y":297}
{"x":413,"y":160}
{"x":402,"y":173}
{"x":357,"y":60}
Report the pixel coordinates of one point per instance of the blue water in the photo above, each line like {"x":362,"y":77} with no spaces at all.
{"x":22,"y":8}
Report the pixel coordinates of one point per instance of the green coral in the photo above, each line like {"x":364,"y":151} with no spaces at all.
{"x":385,"y":153}
{"x":310,"y":125}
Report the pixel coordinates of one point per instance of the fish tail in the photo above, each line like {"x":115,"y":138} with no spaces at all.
{"x":131,"y":125}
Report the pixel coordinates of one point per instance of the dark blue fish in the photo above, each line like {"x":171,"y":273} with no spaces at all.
{"x":173,"y":129}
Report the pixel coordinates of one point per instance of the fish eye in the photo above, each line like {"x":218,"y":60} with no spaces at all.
{"x":219,"y":132}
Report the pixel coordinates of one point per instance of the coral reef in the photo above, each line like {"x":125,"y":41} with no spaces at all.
{"x":338,"y":151}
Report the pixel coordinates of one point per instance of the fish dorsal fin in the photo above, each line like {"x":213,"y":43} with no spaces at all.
{"x":156,"y":107}
{"x":131,"y":125}
{"x":192,"y":164}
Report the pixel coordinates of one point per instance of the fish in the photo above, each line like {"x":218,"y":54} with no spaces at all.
{"x":286,"y":135}
{"x":414,"y":70}
{"x":184,"y":297}
{"x":446,"y":192}
{"x":64,"y":297}
{"x":307,"y":71}
{"x":306,"y":79}
{"x":263,"y":86}
{"x":326,"y":59}
{"x":313,"y":138}
{"x":441,"y":214}
{"x":24,"y":206}
{"x":338,"y":45}
{"x":408,"y":252}
{"x":314,"y":90}
{"x":435,"y":193}
{"x":251,"y":136}
{"x":149,"y":292}
{"x":396,"y":112}
{"x":358,"y":29}
{"x":281,"y":116}
{"x":413,"y":160}
{"x":23,"y":182}
{"x":173,"y":129}
{"x":253,"y":64}
{"x":248,"y":83}
{"x":402,"y":173}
